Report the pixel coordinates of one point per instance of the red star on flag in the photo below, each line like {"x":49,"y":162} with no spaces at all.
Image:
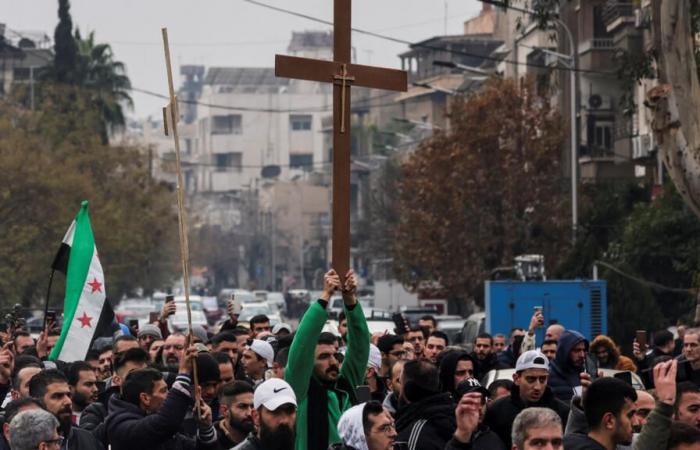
{"x":95,"y":285}
{"x":84,"y":320}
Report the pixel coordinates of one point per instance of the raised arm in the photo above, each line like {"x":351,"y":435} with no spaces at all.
{"x":355,"y":363}
{"x":300,"y":364}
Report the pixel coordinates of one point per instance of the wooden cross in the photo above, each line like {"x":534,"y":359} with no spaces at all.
{"x":343,"y":74}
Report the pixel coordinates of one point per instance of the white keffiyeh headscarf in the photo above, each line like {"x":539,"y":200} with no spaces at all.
{"x":350,"y":428}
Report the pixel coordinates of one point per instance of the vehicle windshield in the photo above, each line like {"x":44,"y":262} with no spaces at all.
{"x":195,"y":306}
{"x":249,"y":311}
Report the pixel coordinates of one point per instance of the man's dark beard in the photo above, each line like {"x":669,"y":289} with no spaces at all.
{"x":242,"y":426}
{"x":280,"y":438}
{"x":65,"y":421}
{"x":80,"y":400}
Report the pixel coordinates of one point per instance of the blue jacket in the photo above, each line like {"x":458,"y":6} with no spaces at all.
{"x":563,"y":376}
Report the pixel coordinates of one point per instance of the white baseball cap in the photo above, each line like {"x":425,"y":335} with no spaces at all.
{"x":264,"y":350}
{"x":532,"y":359}
{"x":375,"y":358}
{"x":274,"y":393}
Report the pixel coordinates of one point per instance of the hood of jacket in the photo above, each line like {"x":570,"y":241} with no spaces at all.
{"x":448,"y":365}
{"x":609,"y":344}
{"x":438,"y":408}
{"x":568,"y":340}
{"x":120,"y":410}
{"x":350,"y":428}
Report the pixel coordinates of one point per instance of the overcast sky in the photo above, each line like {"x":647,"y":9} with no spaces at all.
{"x":230,"y":32}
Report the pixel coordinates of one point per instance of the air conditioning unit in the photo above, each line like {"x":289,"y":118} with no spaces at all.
{"x":597,"y":101}
{"x":642,"y":146}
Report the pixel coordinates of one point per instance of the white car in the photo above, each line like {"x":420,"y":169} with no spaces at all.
{"x":178,"y":321}
{"x":277,"y":299}
{"x":251,"y":310}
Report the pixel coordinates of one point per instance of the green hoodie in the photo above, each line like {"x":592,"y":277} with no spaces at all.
{"x":300,"y":366}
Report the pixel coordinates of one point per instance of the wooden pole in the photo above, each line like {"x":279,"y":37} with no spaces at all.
{"x":174,"y":115}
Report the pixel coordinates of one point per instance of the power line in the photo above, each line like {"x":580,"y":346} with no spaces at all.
{"x":358,"y":103}
{"x":651,"y":284}
{"x":426,"y":46}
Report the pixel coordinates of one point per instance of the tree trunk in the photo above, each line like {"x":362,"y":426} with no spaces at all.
{"x":676,"y":100}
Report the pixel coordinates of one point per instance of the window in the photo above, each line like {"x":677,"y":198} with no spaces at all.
{"x":600,"y":134}
{"x":301,"y":161}
{"x":231,"y":124}
{"x":300,"y":122}
{"x":227,"y":161}
{"x":21,"y":74}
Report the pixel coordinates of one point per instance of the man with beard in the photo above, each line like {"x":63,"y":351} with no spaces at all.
{"x":323,"y":389}
{"x":274,"y":416}
{"x":147,"y":415}
{"x":173,"y":349}
{"x":51,"y":387}
{"x":567,"y":367}
{"x":83,"y":387}
{"x":236,"y":399}
{"x":225,"y":367}
{"x":485,"y":356}
{"x":105,"y":363}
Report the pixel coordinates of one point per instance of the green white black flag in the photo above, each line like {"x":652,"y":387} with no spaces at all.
{"x":86,"y":313}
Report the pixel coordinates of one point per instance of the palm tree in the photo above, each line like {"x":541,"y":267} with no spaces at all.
{"x":104,"y":80}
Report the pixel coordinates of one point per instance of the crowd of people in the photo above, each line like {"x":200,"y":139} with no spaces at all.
{"x":259,"y":387}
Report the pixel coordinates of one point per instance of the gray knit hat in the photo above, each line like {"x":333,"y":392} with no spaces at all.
{"x":150,"y":330}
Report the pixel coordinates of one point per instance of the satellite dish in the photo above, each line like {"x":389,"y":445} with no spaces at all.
{"x":270,"y":171}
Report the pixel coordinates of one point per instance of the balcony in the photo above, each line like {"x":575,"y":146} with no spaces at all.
{"x":618,"y":13}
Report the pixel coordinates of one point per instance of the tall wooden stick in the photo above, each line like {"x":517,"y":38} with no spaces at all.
{"x":174,"y":114}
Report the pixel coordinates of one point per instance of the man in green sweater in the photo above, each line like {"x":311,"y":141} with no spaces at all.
{"x":324,"y":390}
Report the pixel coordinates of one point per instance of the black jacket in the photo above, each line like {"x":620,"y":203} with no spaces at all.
{"x":581,"y":442}
{"x":501,"y":414}
{"x":427,"y":424}
{"x":81,"y":440}
{"x":483,"y":367}
{"x":250,"y":443}
{"x":129,"y":428}
{"x":563,"y":376}
{"x":93,"y":419}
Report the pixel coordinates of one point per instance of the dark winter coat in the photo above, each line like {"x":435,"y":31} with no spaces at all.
{"x":501,"y":414}
{"x":448,"y":365}
{"x":487,"y":365}
{"x":427,"y":424}
{"x":93,"y":419}
{"x":563,"y":376}
{"x":129,"y":428}
{"x":81,"y":440}
{"x":581,"y":442}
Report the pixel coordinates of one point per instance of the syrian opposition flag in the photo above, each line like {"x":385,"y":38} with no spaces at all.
{"x":86,"y":313}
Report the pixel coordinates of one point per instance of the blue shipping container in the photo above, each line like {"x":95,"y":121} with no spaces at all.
{"x":576,"y":304}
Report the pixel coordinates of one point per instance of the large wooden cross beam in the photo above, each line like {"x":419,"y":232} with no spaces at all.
{"x":343,"y":74}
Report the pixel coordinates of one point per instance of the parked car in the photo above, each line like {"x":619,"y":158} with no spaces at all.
{"x":277,"y":298}
{"x":452,"y":326}
{"x":249,"y":310}
{"x":212,"y":309}
{"x":473,"y":326}
{"x":414,"y":314}
{"x":178,"y":321}
{"x":261,"y":295}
